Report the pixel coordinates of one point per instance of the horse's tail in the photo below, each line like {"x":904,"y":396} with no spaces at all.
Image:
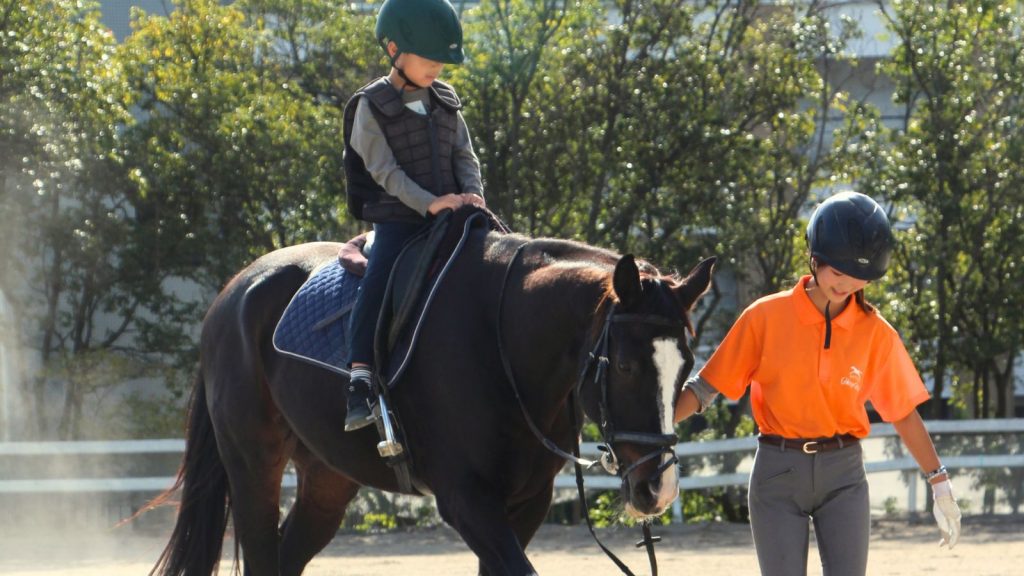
{"x":198,"y":536}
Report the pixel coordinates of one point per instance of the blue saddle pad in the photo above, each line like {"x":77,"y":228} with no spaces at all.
{"x":314,"y":326}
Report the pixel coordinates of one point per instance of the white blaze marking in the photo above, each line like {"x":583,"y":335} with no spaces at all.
{"x":669,"y":361}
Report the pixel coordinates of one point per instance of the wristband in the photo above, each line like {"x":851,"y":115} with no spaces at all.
{"x":935,"y":473}
{"x":704,"y":392}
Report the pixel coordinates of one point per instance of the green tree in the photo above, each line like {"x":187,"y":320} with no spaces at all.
{"x":238,"y":142}
{"x":675,"y":119}
{"x":668,"y":128}
{"x":954,"y":168}
{"x":326,"y":47}
{"x":71,"y":264}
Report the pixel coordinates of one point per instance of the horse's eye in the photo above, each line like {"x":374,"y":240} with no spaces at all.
{"x":625,"y":366}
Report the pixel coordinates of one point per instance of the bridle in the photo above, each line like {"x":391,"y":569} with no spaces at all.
{"x":597,"y":361}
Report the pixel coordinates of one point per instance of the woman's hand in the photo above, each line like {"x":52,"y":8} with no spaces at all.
{"x":453,"y":201}
{"x":947,"y":513}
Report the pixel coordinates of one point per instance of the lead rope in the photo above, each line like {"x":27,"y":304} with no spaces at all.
{"x":648,"y":541}
{"x":577,"y":461}
{"x":608,"y":432}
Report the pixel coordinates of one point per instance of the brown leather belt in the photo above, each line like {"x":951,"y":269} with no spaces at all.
{"x":809,"y":446}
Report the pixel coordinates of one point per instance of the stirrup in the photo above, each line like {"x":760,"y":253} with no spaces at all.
{"x":388,"y":447}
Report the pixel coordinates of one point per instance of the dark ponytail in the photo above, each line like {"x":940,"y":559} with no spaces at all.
{"x":862,"y":301}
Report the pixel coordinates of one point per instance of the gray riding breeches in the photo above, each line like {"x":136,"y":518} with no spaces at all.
{"x":788,"y":489}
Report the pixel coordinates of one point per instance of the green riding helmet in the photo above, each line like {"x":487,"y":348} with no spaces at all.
{"x":426,"y":28}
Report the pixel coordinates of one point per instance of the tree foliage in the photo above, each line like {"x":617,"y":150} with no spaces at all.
{"x":953,"y":170}
{"x":69,"y":243}
{"x":669,"y":128}
{"x":239,"y":142}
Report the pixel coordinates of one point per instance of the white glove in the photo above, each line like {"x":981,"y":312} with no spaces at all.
{"x":947,"y":513}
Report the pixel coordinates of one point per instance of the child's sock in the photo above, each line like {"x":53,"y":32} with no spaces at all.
{"x":361,"y":373}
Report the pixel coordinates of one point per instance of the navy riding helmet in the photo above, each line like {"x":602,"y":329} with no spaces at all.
{"x":850,"y":232}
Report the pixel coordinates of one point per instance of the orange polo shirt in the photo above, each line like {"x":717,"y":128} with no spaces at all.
{"x":798,"y":389}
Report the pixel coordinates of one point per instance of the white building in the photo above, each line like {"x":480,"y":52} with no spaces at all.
{"x":11,"y":410}
{"x":116,"y":14}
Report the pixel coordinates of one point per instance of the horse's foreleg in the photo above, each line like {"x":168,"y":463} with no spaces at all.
{"x":320,"y":503}
{"x":526,"y":517}
{"x":481,"y":519}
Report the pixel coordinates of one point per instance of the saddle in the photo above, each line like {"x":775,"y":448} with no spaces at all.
{"x":313,"y":327}
{"x":415,"y":279}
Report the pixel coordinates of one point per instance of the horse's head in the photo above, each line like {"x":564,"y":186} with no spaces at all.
{"x":632,"y":394}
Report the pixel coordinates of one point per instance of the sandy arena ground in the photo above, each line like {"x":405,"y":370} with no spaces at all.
{"x":990,"y":547}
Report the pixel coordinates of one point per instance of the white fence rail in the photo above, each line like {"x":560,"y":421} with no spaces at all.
{"x":564,"y":480}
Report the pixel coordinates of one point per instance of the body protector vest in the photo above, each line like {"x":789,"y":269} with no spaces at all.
{"x":423,"y":146}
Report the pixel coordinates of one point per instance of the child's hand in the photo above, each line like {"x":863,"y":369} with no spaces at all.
{"x":453,"y":201}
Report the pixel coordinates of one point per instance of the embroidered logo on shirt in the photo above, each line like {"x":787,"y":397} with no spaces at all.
{"x":853,"y":378}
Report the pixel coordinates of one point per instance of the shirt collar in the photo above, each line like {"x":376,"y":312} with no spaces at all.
{"x":809,"y":313}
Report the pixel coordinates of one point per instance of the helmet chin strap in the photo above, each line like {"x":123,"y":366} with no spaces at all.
{"x":828,"y":326}
{"x":813,"y":264}
{"x":401,"y":73}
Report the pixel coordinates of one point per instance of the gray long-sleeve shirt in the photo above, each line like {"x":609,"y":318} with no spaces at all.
{"x":369,"y":142}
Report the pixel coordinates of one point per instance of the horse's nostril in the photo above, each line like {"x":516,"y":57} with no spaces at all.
{"x":655,"y":487}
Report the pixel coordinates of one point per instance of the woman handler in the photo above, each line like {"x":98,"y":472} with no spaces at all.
{"x":813,"y":356}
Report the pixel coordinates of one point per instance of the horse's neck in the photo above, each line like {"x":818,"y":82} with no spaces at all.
{"x":556,"y":315}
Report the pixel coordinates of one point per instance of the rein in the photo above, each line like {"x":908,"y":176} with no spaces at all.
{"x":547,"y":442}
{"x":597,"y":358}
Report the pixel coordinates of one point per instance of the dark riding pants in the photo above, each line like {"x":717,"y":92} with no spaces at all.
{"x":789,"y":488}
{"x":389,"y":238}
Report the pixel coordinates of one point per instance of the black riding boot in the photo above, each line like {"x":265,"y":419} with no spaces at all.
{"x":360,"y":404}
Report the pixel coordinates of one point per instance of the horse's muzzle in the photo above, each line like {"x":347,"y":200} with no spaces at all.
{"x":651,"y":483}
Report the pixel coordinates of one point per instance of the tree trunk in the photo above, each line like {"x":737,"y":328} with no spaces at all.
{"x":1005,"y":388}
{"x":938,"y":408}
{"x":986,"y":396}
{"x":976,"y":397}
{"x":64,"y":428}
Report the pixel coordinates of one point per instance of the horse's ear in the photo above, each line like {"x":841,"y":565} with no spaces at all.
{"x":696,"y":283}
{"x":626,"y":281}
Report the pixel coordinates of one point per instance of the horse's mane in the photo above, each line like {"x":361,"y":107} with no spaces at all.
{"x":584,"y":261}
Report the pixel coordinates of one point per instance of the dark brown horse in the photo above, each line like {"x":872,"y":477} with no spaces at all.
{"x":540,"y":307}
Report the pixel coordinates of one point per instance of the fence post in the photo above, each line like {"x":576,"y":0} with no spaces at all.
{"x":912,"y":493}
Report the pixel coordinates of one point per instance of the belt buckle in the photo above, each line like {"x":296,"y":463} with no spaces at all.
{"x":810,"y":447}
